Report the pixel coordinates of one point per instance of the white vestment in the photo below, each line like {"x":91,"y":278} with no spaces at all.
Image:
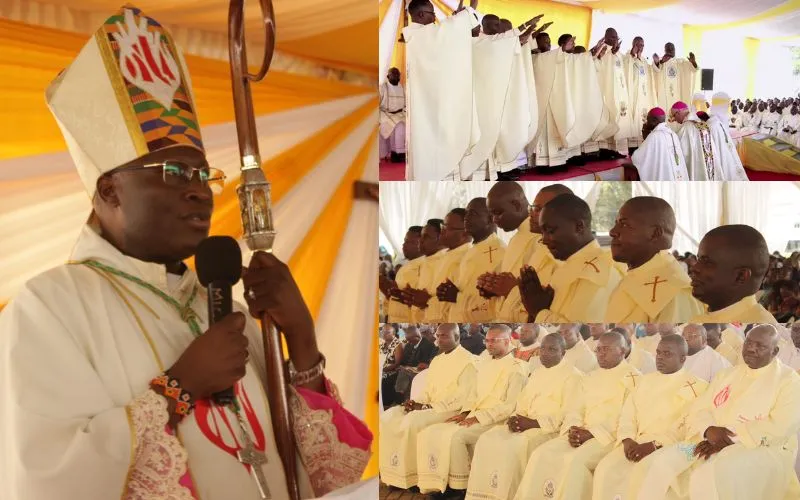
{"x":79,"y":348}
{"x":660,"y":157}
{"x":700,"y":150}
{"x":731,"y":164}
{"x":642,"y":94}
{"x":769,"y":123}
{"x":483,"y":257}
{"x":675,"y":81}
{"x":392,"y":118}
{"x":519,"y":251}
{"x":641,"y":359}
{"x":616,"y":96}
{"x":442,"y":124}
{"x":706,"y":363}
{"x":791,"y":122}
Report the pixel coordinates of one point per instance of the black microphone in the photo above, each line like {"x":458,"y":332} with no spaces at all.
{"x":218,"y":261}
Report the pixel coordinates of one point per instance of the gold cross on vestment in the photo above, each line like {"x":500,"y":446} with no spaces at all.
{"x":490,"y":253}
{"x":633,"y":378}
{"x":690,"y":385}
{"x":591,"y":263}
{"x":249,"y":455}
{"x":655,"y":283}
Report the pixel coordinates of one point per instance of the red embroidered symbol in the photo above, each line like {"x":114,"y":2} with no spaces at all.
{"x":722,"y":396}
{"x":220,"y":427}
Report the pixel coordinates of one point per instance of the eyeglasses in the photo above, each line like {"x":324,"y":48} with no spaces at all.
{"x":180,"y":174}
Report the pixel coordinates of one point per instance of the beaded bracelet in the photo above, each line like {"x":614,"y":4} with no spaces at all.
{"x":184,"y":402}
{"x":306,"y":376}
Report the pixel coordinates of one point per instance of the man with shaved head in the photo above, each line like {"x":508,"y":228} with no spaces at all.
{"x":485,"y":255}
{"x":501,"y":453}
{"x":443,"y":450}
{"x":542,"y":261}
{"x":703,"y":361}
{"x":433,"y":249}
{"x":634,"y":354}
{"x":577,"y":353}
{"x":458,"y":242}
{"x":731,"y":263}
{"x":655,"y":289}
{"x":407,"y":276}
{"x":508,"y":208}
{"x":450,"y":378}
{"x":742,"y":431}
{"x":725,"y":341}
{"x":490,"y":24}
{"x":654,"y":416}
{"x":582,"y":283}
{"x":563,"y":467}
{"x":674,"y":77}
{"x":660,"y":157}
{"x":528,"y":342}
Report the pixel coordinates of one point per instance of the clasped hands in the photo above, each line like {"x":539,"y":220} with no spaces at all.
{"x":535,"y":297}
{"x":578,"y":435}
{"x":637,"y":451}
{"x":462,"y":420}
{"x":716,"y":438}
{"x":518,"y":423}
{"x":496,"y":284}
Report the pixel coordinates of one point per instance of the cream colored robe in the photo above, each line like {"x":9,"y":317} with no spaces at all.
{"x":656,"y":410}
{"x":583,"y":284}
{"x":701,"y":152}
{"x":638,"y":300}
{"x":649,"y":343}
{"x":543,"y":262}
{"x":79,"y":348}
{"x":641,"y":359}
{"x":427,"y":276}
{"x":392,"y":99}
{"x":501,"y":455}
{"x":580,"y":356}
{"x":747,"y":310}
{"x":614,"y":87}
{"x":447,"y":269}
{"x":675,"y":81}
{"x":559,"y":471}
{"x":706,"y":363}
{"x":408,"y":275}
{"x":733,"y":356}
{"x":483,"y":257}
{"x":660,"y":157}
{"x":760,"y":407}
{"x":443,"y":456}
{"x":435,"y":101}
{"x":449,"y":381}
{"x":522,"y":245}
{"x":731,"y":164}
{"x":642,"y":95}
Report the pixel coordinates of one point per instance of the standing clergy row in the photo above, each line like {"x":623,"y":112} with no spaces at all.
{"x":491,"y":428}
{"x":479,"y":95}
{"x":554,"y":270}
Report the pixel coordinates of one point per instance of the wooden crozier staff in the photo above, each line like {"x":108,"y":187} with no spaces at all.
{"x":256,"y":210}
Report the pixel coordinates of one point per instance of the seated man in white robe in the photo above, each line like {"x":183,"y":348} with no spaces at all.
{"x":742,"y":434}
{"x":110,"y":361}
{"x":578,"y":353}
{"x":436,"y":101}
{"x":791,"y":127}
{"x":769,"y":121}
{"x":562,"y":468}
{"x":449,"y":381}
{"x":443,"y":450}
{"x":655,"y":289}
{"x":595,"y":331}
{"x":677,"y":115}
{"x":581,"y":284}
{"x":703,"y":361}
{"x":730,"y":351}
{"x":635,"y":355}
{"x":393,"y":118}
{"x":654,"y":416}
{"x":751,"y":120}
{"x":731,"y":263}
{"x":502,"y":453}
{"x":700,"y":151}
{"x":529,"y":342}
{"x":660,"y":157}
{"x":735,"y":122}
{"x":732,"y":169}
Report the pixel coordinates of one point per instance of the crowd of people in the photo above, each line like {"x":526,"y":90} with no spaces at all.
{"x":778,"y":117}
{"x":595,"y":411}
{"x":553,"y":269}
{"x":530,"y":105}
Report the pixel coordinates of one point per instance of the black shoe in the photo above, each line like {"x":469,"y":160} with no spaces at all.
{"x":576,"y":161}
{"x":395,"y":158}
{"x":560,"y":169}
{"x":515,"y":171}
{"x":506,"y":176}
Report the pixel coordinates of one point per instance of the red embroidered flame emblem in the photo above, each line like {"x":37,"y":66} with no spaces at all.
{"x":722,"y":396}
{"x":220,"y":427}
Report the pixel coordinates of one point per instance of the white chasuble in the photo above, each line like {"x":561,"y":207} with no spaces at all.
{"x":675,"y":81}
{"x":705,"y":364}
{"x":392,"y":108}
{"x":746,"y":310}
{"x":520,"y":120}
{"x":657,"y":292}
{"x":642,"y":93}
{"x":483,"y":257}
{"x":732,"y":169}
{"x":427,"y":276}
{"x":81,"y":345}
{"x":519,"y":251}
{"x":442,"y":124}
{"x":660,"y":157}
{"x":700,"y":150}
{"x":613,"y":86}
{"x":407,"y":276}
{"x":447,"y":269}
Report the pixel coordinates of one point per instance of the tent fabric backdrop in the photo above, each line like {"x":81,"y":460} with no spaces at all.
{"x":317,"y":138}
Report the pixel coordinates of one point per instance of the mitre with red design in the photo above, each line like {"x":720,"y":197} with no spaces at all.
{"x":125,"y":95}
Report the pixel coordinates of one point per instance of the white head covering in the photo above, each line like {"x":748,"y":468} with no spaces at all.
{"x":720,"y":106}
{"x":126,"y":94}
{"x":699,"y":102}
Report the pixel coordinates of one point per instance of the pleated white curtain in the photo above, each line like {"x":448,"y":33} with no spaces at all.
{"x":771,"y":207}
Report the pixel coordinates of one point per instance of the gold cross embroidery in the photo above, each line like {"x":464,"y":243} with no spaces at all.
{"x":690,"y":385}
{"x":633,"y":378}
{"x":591,"y":263}
{"x":655,"y":283}
{"x":490,"y":253}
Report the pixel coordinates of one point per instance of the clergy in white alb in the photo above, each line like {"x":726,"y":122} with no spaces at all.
{"x":392,"y":116}
{"x":674,"y":77}
{"x":484,"y":256}
{"x":562,"y":468}
{"x":623,"y":119}
{"x":732,"y":261}
{"x":636,"y":355}
{"x":542,"y":260}
{"x":701,"y":152}
{"x":655,"y":289}
{"x":570,"y":105}
{"x":502,"y":453}
{"x":426,"y":282}
{"x":407,"y":276}
{"x":449,"y":381}
{"x":578,"y":353}
{"x":642,"y":97}
{"x":732,"y":169}
{"x":99,"y":352}
{"x":653,"y":416}
{"x":442,"y":119}
{"x":791,"y":128}
{"x":660,"y":157}
{"x":769,"y":121}
{"x":586,"y":274}
{"x":443,"y":450}
{"x":742,"y":433}
{"x":703,"y":361}
{"x":458,"y":242}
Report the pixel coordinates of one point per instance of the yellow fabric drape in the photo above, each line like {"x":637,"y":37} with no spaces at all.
{"x":371,"y":413}
{"x":32,"y":56}
{"x":759,"y":156}
{"x":751,"y":48}
{"x":572,"y":19}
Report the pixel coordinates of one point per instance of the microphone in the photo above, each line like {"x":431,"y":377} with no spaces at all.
{"x":218,"y":261}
